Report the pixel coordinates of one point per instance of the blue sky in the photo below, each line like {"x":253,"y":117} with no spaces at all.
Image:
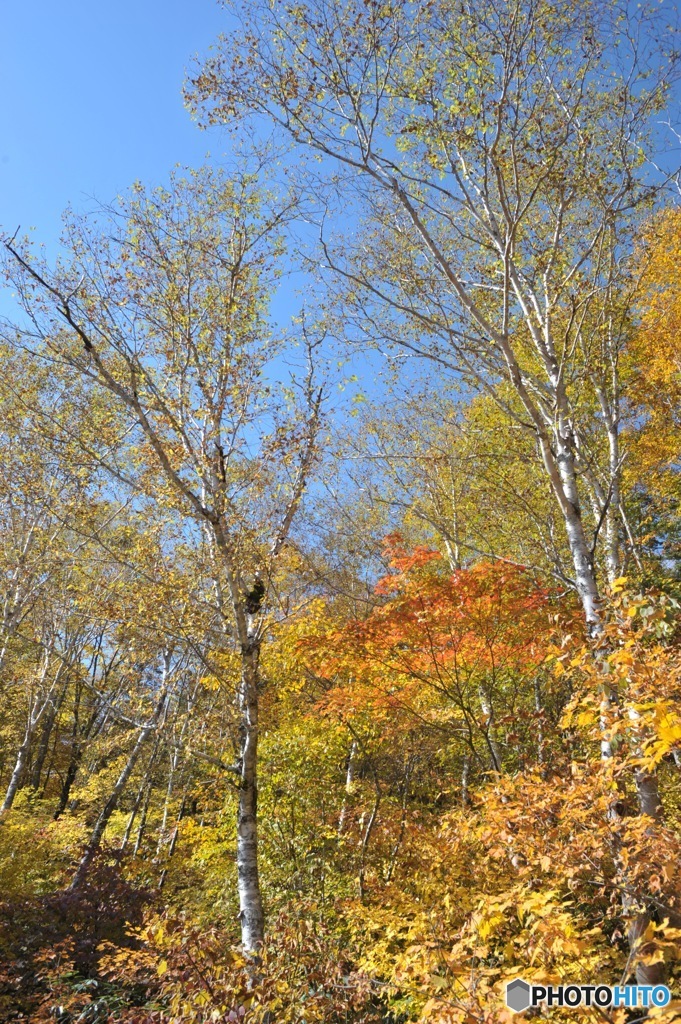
{"x":92,"y":100}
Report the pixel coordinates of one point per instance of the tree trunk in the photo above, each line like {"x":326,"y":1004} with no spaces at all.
{"x":132,"y":816}
{"x":19,"y":768}
{"x":108,"y":809}
{"x":611,"y":413}
{"x":403,"y":819}
{"x":173,"y":840}
{"x":44,"y":742}
{"x":349,"y":782}
{"x":585,"y":578}
{"x":142,"y":794}
{"x":69,"y":779}
{"x":366,"y":838}
{"x":465,"y":776}
{"x":112,"y":802}
{"x":490,"y":731}
{"x":35,"y":714}
{"x":251,"y":912}
{"x":648,"y":794}
{"x":75,"y":756}
{"x":646,"y":974}
{"x":639,"y":918}
{"x":174,"y":755}
{"x":143,"y":819}
{"x":587,"y":588}
{"x":647,"y":789}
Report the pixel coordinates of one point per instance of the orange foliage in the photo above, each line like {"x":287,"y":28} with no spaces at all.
{"x":437,"y":633}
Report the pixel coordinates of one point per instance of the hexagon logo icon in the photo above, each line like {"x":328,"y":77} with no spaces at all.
{"x":517,"y":995}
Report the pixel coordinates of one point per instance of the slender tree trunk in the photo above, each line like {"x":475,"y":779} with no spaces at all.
{"x":144,"y":787}
{"x":647,"y":788}
{"x":649,"y":802}
{"x":133,"y":815}
{"x":108,"y":809}
{"x":589,"y":595}
{"x":490,"y":730}
{"x":557,"y":445}
{"x":587,"y":588}
{"x":35,"y":714}
{"x":610,"y":409}
{"x":403,"y":819}
{"x":539,"y":708}
{"x":166,"y":805}
{"x":19,"y":768}
{"x":112,"y":802}
{"x":143,"y":819}
{"x":349,"y":781}
{"x":56,"y":736}
{"x":465,"y":775}
{"x":251,"y":911}
{"x":69,"y":779}
{"x":44,"y":741}
{"x":77,"y":749}
{"x":173,"y":840}
{"x":639,"y":920}
{"x":74,"y":758}
{"x":366,"y":838}
{"x":648,"y":793}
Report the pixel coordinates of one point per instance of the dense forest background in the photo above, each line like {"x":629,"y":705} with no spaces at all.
{"x":340,"y":657}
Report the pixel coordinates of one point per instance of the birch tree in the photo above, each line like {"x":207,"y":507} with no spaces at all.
{"x":161,"y":303}
{"x":495,"y":158}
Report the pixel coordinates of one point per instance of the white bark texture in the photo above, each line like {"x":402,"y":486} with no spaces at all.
{"x":251,"y":911}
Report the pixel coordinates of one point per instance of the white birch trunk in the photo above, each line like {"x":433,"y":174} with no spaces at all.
{"x":19,"y":768}
{"x":251,"y":912}
{"x":35,"y":715}
{"x":349,"y":784}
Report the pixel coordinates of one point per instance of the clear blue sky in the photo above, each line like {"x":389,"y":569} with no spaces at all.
{"x":92,"y":100}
